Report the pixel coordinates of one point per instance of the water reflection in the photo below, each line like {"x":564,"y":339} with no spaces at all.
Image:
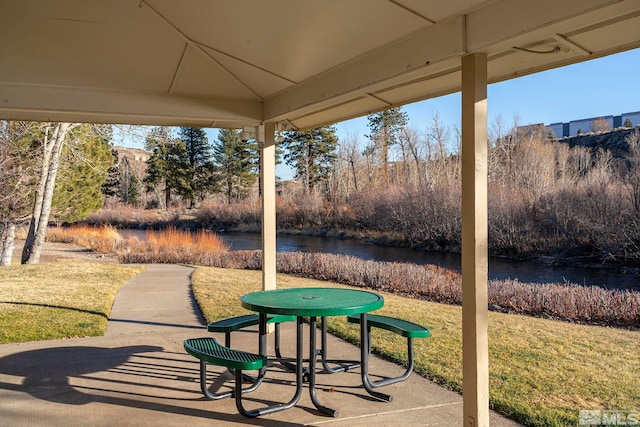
{"x":499,"y":269}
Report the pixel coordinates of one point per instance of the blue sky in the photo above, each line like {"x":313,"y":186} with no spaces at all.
{"x":600,"y":87}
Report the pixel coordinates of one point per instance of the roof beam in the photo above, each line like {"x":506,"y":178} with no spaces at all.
{"x":572,"y":45}
{"x":511,"y":20}
{"x":408,"y":9}
{"x":493,"y":29}
{"x":51,"y":103}
{"x":415,"y":52}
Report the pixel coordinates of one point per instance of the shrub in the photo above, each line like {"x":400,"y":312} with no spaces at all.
{"x":587,"y":304}
{"x":569,"y":302}
{"x":164,"y":246}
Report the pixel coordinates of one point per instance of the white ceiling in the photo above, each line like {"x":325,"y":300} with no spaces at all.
{"x":228,"y":63}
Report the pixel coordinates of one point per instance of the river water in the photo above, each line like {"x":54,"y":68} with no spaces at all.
{"x":498,"y":268}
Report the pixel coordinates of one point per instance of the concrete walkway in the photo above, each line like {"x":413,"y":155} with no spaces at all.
{"x":157,"y":300}
{"x":138,"y":375}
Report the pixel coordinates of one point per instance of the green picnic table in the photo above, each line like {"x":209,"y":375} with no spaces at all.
{"x":313,"y":303}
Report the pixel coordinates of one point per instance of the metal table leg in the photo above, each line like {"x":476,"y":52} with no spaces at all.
{"x":312,"y":370}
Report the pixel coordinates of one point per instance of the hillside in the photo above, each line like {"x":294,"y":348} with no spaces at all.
{"x":615,"y":141}
{"x":135,"y":155}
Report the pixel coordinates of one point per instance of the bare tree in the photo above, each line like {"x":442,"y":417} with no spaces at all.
{"x":371,"y":165}
{"x":503,"y":143}
{"x":439,"y":135}
{"x":353,"y":158}
{"x":15,"y":173}
{"x":347,"y":168}
{"x":631,"y":175}
{"x":412,"y":145}
{"x":53,"y":137}
{"x":600,"y":125}
{"x":532,"y":171}
{"x":438,"y":138}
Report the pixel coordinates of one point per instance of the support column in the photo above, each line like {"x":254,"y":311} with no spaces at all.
{"x":265,"y":135}
{"x":475,"y":347}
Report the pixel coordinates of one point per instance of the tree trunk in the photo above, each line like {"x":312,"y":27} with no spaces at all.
{"x":385,"y":161}
{"x":8,"y":244}
{"x":167,"y":196}
{"x":37,"y":203}
{"x":355,"y":175}
{"x":44,"y":193}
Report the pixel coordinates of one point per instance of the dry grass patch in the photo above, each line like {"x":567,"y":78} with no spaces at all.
{"x":168,"y":246}
{"x":59,"y":299}
{"x":542,"y":372}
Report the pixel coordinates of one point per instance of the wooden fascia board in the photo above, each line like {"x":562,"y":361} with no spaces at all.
{"x":42,"y":103}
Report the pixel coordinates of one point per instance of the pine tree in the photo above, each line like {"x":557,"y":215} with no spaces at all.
{"x":167,"y":168}
{"x":311,"y":153}
{"x":236,"y":163}
{"x":201,"y":179}
{"x":385,"y":127}
{"x":111,"y":187}
{"x":627,"y":123}
{"x":84,"y":169}
{"x":133,"y":191}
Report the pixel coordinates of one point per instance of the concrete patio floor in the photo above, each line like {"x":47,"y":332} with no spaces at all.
{"x":138,"y":374}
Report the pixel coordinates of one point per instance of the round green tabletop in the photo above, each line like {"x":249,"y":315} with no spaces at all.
{"x":313,"y":301}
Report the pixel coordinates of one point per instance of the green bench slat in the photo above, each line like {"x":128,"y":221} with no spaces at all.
{"x":393,"y":324}
{"x":209,"y":350}
{"x":239,"y":322}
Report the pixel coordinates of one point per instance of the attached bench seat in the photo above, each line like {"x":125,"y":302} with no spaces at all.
{"x":208,"y":350}
{"x":405,"y":328}
{"x":236,"y":323}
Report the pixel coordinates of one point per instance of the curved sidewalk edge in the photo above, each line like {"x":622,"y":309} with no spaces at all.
{"x":158,"y":299}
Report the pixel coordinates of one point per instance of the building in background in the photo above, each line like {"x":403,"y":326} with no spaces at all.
{"x":593,"y":124}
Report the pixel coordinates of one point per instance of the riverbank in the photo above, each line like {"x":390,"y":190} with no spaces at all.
{"x":57,"y":251}
{"x":234,"y":219}
{"x":567,"y":302}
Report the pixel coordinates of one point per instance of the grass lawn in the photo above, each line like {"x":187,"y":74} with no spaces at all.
{"x":58,"y":299}
{"x":542,"y":372}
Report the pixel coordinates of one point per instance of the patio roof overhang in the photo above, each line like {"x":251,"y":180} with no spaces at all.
{"x":231,"y":63}
{"x":297,"y":64}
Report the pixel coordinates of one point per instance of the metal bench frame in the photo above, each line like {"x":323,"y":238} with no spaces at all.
{"x":208,"y":350}
{"x":402,"y":327}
